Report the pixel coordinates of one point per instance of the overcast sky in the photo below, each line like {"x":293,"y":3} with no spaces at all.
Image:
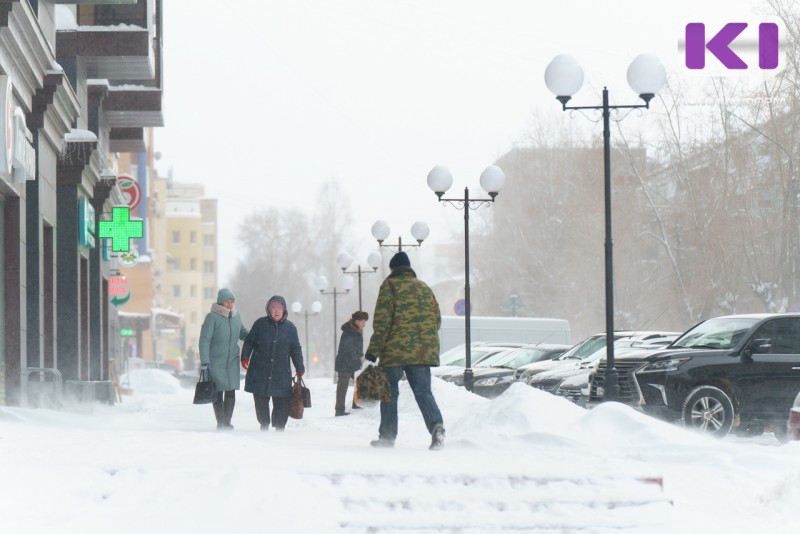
{"x":265,"y":102}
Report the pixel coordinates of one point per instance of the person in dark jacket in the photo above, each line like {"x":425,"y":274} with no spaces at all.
{"x":267,"y":350}
{"x":219,"y":351}
{"x":405,"y":336}
{"x":349,"y":357}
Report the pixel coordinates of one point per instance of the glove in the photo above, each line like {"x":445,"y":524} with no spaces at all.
{"x":245,"y":363}
{"x":300,"y":373}
{"x":371,"y":357}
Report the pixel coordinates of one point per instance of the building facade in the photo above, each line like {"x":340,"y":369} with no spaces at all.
{"x":80,"y":84}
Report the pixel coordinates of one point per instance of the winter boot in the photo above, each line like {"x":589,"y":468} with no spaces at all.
{"x":382,"y":443}
{"x":437,"y":438}
{"x":219,"y":413}
{"x":228,"y":407}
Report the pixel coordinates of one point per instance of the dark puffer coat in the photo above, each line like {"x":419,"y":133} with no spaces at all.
{"x":351,"y":349}
{"x":269,"y":346}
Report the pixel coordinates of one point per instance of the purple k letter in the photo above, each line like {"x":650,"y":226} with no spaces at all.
{"x":717,"y":45}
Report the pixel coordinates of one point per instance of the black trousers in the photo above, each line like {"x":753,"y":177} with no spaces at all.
{"x":280,"y":410}
{"x":342,"y":382}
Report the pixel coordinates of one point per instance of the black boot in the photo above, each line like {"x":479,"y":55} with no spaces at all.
{"x":228,"y":412}
{"x":219,"y":413}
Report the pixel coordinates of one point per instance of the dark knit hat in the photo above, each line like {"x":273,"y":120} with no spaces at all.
{"x":399,"y":260}
{"x":360,"y":316}
{"x":225,"y":294}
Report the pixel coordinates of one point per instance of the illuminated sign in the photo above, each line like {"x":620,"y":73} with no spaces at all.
{"x":120,"y":229}
{"x":118,"y":290}
{"x":127,"y":332}
{"x":131,"y":190}
{"x":86,"y":225}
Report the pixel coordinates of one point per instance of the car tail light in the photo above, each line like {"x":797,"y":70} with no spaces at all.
{"x":794,"y":424}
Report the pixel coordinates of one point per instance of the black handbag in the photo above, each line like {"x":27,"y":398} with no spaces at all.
{"x":205,"y":392}
{"x":305,"y":393}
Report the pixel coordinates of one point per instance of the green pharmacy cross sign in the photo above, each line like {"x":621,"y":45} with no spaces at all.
{"x":120,"y":229}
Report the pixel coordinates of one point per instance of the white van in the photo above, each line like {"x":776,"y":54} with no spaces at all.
{"x":500,"y":329}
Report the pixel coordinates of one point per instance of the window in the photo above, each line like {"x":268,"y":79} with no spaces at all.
{"x":208,"y":266}
{"x":176,"y":291}
{"x":208,"y":240}
{"x":176,"y":264}
{"x":193,"y":264}
{"x":194,"y":317}
{"x":781,"y":336}
{"x":176,"y":237}
{"x":193,"y":291}
{"x":208,"y":292}
{"x":192,"y":237}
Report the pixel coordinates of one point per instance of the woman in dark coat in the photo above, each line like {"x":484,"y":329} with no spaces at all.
{"x":219,"y":348}
{"x":349,"y":357}
{"x":266,"y":352}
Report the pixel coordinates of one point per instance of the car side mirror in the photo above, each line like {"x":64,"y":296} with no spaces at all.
{"x":760,"y":346}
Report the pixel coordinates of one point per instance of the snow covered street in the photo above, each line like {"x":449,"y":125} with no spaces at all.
{"x":525,"y":462}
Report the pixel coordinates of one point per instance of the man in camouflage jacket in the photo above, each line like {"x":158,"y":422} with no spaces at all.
{"x":406,"y":339}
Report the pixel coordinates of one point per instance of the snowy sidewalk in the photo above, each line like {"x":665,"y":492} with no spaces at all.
{"x":525,"y":462}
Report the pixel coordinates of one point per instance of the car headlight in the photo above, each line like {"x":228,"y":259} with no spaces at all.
{"x":665,"y":365}
{"x":491,"y":380}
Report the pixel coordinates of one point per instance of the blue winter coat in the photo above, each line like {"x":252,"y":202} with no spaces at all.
{"x":269,"y":346}
{"x":219,"y":346}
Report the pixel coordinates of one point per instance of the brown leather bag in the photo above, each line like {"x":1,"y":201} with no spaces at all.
{"x":296,"y":401}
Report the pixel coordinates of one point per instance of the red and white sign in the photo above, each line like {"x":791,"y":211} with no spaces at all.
{"x":131,"y":189}
{"x":117,"y":285}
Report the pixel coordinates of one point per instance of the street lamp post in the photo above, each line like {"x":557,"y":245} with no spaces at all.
{"x":419,"y":231}
{"x":347,"y":284}
{"x":373,"y":260}
{"x":297,"y":308}
{"x":492,"y":181}
{"x":564,"y":77}
{"x":793,"y":247}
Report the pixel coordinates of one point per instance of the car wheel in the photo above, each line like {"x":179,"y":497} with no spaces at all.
{"x":709,"y":410}
{"x":781,"y":432}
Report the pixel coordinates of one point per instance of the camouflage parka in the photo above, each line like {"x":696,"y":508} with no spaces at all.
{"x":405,"y":327}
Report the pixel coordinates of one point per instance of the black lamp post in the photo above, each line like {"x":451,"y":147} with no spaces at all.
{"x":419,"y":231}
{"x":492,"y":181}
{"x":322,"y":283}
{"x":564,"y":77}
{"x":344,"y":261}
{"x":297,"y":308}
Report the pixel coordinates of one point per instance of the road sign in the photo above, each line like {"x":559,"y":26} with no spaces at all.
{"x":460,"y":307}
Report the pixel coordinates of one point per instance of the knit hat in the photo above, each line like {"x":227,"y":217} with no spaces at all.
{"x":360,"y":316}
{"x":225,"y":294}
{"x":399,"y":260}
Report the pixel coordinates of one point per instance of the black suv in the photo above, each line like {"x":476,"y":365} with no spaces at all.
{"x":739,"y":371}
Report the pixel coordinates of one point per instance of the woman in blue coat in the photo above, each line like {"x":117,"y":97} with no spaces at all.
{"x":219,"y":350}
{"x":266,"y":352}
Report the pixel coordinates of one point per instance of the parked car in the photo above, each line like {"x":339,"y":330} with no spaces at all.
{"x":493,"y":380}
{"x":455,"y":358}
{"x":735,"y":371}
{"x":455,"y":374}
{"x":582,"y":350}
{"x":572,"y":382}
